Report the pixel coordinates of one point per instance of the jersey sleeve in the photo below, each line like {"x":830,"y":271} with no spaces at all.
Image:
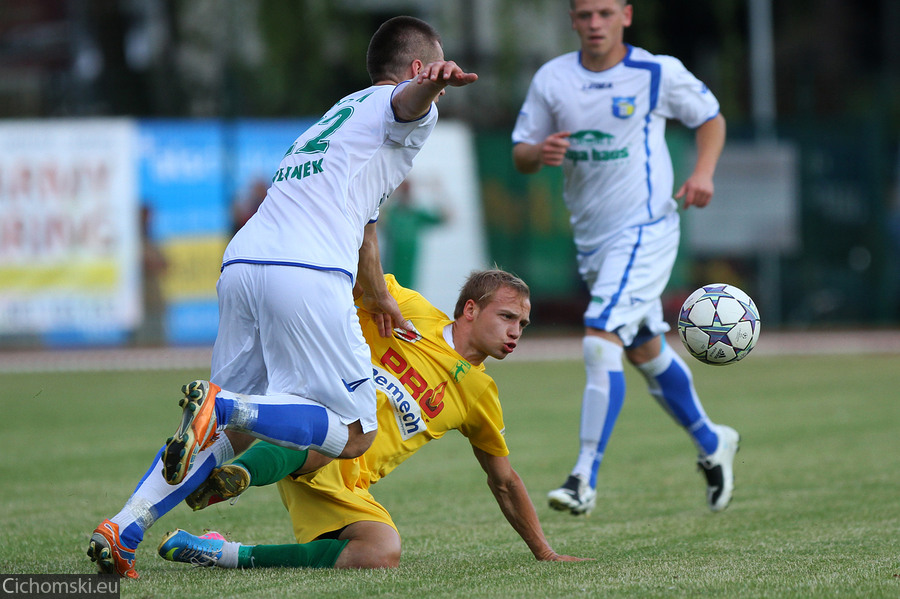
{"x":685,"y":97}
{"x":535,"y":120}
{"x":483,"y":424}
{"x":409,"y":133}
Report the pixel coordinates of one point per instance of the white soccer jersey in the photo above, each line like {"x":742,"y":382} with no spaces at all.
{"x":331,"y":183}
{"x":618,"y":172}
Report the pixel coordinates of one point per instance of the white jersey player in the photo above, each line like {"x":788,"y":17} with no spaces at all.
{"x":601,"y":114}
{"x":330,"y":185}
{"x":616,"y":121}
{"x":290,"y":364}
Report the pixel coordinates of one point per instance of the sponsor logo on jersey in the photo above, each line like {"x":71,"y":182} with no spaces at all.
{"x":623,"y":107}
{"x":597,"y":85}
{"x":461,"y":370}
{"x":591,"y":138}
{"x":430,"y":399}
{"x":353,"y":386}
{"x":411,"y":336}
{"x":594,"y":146}
{"x":407,"y":412}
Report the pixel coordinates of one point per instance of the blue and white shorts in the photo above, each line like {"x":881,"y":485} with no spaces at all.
{"x":626,"y":277}
{"x":293,"y":330}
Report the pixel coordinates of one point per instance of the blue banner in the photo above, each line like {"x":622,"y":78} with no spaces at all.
{"x":200,"y":181}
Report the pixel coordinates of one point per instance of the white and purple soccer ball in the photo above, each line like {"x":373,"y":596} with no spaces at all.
{"x":719,"y":324}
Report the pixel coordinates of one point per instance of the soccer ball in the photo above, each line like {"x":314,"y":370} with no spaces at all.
{"x":719,"y":324}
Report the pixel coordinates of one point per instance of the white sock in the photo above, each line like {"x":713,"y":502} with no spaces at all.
{"x":229,"y":558}
{"x":146,"y":505}
{"x":600,"y":358}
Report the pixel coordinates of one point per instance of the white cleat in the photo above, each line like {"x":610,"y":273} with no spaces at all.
{"x":718,"y":468}
{"x":575,"y":496}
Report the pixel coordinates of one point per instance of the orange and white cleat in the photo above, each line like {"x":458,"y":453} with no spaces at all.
{"x":111,"y":555}
{"x":196,"y":432}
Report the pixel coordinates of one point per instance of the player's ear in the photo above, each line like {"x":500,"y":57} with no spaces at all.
{"x":416,"y":66}
{"x":470,"y":310}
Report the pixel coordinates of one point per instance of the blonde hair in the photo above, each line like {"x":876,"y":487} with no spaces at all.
{"x":483,"y":284}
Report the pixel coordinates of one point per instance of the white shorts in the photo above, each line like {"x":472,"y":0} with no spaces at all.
{"x":294,"y":330}
{"x":626,"y":277}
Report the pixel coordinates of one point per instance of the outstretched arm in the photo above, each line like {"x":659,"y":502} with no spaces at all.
{"x":414,"y":99}
{"x":511,"y":495}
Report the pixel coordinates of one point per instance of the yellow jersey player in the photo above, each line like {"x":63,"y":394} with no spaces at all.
{"x":430,"y":381}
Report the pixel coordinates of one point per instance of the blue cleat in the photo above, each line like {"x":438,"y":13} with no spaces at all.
{"x":182,"y":546}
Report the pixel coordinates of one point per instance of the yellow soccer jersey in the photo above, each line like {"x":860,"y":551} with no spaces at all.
{"x":425,"y":389}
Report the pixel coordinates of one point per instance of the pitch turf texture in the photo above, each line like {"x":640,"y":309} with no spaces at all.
{"x":816,"y":511}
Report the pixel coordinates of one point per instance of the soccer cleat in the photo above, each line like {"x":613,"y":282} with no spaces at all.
{"x":196,"y":432}
{"x":718,"y":468}
{"x":575,"y":495}
{"x":111,"y":555}
{"x":222,"y":483}
{"x":182,"y":546}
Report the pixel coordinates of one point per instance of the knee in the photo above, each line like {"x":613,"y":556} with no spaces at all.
{"x":357,"y":442}
{"x":239,"y":441}
{"x":370,"y":554}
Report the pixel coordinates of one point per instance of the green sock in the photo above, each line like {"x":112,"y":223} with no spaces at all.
{"x":268,"y":464}
{"x":316,"y":554}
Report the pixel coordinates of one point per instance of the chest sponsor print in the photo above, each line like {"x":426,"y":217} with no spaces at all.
{"x":406,"y":409}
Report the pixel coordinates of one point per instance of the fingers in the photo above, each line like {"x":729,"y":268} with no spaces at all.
{"x":694,"y":195}
{"x":553,"y":149}
{"x":383,"y":322}
{"x":447,"y":71}
{"x":388,"y":317}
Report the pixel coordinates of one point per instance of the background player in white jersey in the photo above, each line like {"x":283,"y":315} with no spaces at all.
{"x":290,"y":364}
{"x":601,"y":114}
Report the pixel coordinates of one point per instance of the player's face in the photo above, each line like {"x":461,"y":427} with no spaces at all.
{"x":600,"y":25}
{"x":497,"y":326}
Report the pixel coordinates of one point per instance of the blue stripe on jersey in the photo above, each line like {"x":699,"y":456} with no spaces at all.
{"x":647,"y":165}
{"x":286,"y":263}
{"x":655,"y":77}
{"x":600,"y":322}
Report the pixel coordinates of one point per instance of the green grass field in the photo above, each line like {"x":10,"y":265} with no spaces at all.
{"x":816,"y":511}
